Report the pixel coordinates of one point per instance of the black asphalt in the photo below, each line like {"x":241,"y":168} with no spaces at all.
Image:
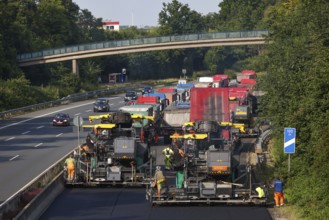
{"x":129,"y":203}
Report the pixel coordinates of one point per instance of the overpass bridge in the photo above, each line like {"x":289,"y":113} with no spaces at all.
{"x":106,"y":48}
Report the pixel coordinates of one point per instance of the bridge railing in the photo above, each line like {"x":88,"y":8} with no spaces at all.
{"x":141,"y":41}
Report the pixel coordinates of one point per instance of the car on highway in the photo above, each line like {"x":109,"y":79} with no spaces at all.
{"x":147,"y":89}
{"x":130,"y":96}
{"x":61,"y":119}
{"x":102,"y":105}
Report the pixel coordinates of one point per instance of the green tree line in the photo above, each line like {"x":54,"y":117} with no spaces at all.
{"x":297,"y":86}
{"x":34,"y":25}
{"x":294,"y":64}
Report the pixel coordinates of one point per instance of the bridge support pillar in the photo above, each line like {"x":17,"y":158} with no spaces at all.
{"x":75,"y":67}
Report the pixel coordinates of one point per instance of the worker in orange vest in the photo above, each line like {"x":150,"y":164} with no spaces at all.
{"x":70,"y":166}
{"x":84,"y":149}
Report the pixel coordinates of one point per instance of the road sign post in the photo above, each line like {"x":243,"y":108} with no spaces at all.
{"x":78,"y":122}
{"x":289,"y":143}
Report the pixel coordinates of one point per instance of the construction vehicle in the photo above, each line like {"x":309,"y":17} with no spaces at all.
{"x":113,"y":153}
{"x":173,"y":120}
{"x":212,"y":170}
{"x":145,"y":121}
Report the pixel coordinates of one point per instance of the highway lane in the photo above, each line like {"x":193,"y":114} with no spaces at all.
{"x":29,"y":144}
{"x":39,"y":145}
{"x":128,"y":203}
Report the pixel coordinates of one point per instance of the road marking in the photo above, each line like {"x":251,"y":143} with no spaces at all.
{"x":40,"y":127}
{"x":26,"y":132}
{"x":59,"y":135}
{"x":13,"y":158}
{"x":122,"y":102}
{"x":38,"y":145}
{"x":50,"y":113}
{"x":111,"y":104}
{"x":8,"y":139}
{"x":88,"y":110}
{"x":77,"y":114}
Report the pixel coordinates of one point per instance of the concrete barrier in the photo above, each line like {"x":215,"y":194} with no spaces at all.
{"x":261,"y":140}
{"x":43,"y":200}
{"x":10,"y":208}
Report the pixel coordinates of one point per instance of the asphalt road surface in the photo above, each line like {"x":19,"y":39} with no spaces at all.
{"x":130,"y":204}
{"x":29,"y":144}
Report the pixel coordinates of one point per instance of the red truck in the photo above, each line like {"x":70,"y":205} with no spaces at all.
{"x":220,"y":80}
{"x":210,"y":104}
{"x":246,"y":74}
{"x":170,"y":93}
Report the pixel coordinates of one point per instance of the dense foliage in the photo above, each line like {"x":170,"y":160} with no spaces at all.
{"x":295,"y":63}
{"x":297,"y":89}
{"x":33,"y":25}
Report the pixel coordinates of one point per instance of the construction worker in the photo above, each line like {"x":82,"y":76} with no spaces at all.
{"x":178,"y":164}
{"x":167,"y":152}
{"x":278,"y":192}
{"x":70,"y":166}
{"x":84,"y":149}
{"x":159,"y":180}
{"x":93,"y":162}
{"x":260,"y":192}
{"x":176,"y":139}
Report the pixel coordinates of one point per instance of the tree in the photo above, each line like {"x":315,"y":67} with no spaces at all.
{"x":176,"y":18}
{"x":297,"y":92}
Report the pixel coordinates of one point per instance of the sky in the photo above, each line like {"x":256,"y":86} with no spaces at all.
{"x":140,"y":12}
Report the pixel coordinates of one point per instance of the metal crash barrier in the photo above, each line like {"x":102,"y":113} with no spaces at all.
{"x":64,"y":101}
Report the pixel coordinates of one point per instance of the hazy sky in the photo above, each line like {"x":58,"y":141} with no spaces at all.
{"x":140,"y":12}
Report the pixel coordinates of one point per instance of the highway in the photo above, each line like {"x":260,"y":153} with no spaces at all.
{"x":29,"y":144}
{"x":127,"y":203}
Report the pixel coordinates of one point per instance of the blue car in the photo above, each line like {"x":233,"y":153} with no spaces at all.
{"x":102,"y":105}
{"x":147,"y":90}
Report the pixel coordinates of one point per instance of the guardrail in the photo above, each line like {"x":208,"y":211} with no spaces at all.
{"x":20,"y":202}
{"x":260,"y":144}
{"x":64,"y":101}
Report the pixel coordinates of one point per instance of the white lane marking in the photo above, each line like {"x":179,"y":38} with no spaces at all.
{"x":88,"y":110}
{"x":38,"y":145}
{"x":50,"y":113}
{"x":59,"y":135}
{"x":111,"y":104}
{"x":13,"y":158}
{"x":77,"y":114}
{"x":26,"y":132}
{"x":40,"y":127}
{"x":8,"y":139}
{"x":32,"y":181}
{"x":121,"y":102}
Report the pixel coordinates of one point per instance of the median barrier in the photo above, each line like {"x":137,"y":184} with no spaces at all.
{"x":40,"y":203}
{"x":22,"y":201}
{"x":64,"y":101}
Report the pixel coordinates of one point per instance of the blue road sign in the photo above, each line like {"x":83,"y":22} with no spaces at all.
{"x":289,"y":140}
